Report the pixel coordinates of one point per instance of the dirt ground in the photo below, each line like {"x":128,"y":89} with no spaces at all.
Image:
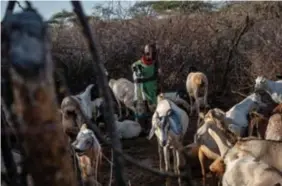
{"x":146,"y":152}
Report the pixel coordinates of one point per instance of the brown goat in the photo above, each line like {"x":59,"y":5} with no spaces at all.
{"x":277,"y":109}
{"x":200,"y":156}
{"x":259,"y":123}
{"x":274,"y":128}
{"x":208,"y":148}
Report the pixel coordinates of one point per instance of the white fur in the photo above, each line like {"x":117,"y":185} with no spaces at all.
{"x":237,"y":115}
{"x":249,"y":172}
{"x":244,"y":168}
{"x":123,"y":90}
{"x":174,"y":141}
{"x":273,"y":88}
{"x":127,"y":128}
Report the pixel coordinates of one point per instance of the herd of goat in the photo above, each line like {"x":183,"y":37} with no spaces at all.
{"x":242,"y":146}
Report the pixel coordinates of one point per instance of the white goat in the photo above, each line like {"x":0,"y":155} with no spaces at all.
{"x":273,"y":88}
{"x":243,"y":168}
{"x":237,"y":116}
{"x":123,"y":90}
{"x":169,"y":124}
{"x":127,"y":128}
{"x":197,"y":86}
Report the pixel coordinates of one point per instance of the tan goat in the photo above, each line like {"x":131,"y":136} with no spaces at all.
{"x":197,"y":86}
{"x":208,"y":147}
{"x":268,"y":151}
{"x":274,"y":128}
{"x":242,"y":167}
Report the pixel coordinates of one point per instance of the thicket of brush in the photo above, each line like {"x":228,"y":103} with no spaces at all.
{"x":231,"y":48}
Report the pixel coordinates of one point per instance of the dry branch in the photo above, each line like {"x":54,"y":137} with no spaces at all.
{"x":104,"y":91}
{"x":230,"y":53}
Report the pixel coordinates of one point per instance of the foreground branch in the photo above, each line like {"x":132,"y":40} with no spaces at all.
{"x":48,"y":159}
{"x":99,"y":71}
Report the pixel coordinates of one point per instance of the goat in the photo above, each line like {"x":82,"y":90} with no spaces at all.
{"x":243,"y":168}
{"x":123,"y":90}
{"x":127,"y":128}
{"x":213,"y":119}
{"x":71,"y":108}
{"x":237,"y":117}
{"x":197,"y":86}
{"x":88,"y":150}
{"x":259,"y":123}
{"x":277,"y":109}
{"x":268,"y":151}
{"x":194,"y":153}
{"x":273,"y":88}
{"x":169,"y":124}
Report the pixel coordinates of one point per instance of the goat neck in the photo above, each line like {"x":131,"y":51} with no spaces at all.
{"x":223,"y":147}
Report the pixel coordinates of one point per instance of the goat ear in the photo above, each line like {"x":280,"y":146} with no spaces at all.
{"x":201,"y":115}
{"x":83,"y":126}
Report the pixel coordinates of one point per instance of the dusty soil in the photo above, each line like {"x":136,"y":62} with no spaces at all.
{"x":146,"y":152}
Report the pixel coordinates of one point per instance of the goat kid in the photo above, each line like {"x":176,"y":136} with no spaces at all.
{"x":237,"y":117}
{"x":89,"y":152}
{"x":169,"y":124}
{"x":273,"y":88}
{"x":127,"y":128}
{"x":240,"y":167}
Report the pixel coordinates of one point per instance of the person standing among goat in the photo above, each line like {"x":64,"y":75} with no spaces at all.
{"x":145,"y":75}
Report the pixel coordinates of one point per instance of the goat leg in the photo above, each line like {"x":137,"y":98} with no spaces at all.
{"x":161,"y":158}
{"x":167,"y":163}
{"x":178,"y":164}
{"x":191,"y":105}
{"x":202,"y":159}
{"x":175,"y":167}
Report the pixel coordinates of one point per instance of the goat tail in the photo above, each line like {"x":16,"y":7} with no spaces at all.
{"x":199,"y":80}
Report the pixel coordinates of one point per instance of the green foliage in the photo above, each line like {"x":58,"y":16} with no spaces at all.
{"x":62,"y":15}
{"x":178,"y":6}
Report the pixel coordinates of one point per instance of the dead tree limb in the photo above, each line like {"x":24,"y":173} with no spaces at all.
{"x":99,"y":71}
{"x":31,"y":71}
{"x":235,"y":42}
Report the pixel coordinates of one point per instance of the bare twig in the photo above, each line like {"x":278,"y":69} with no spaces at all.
{"x":104,"y":91}
{"x":239,"y":93}
{"x":230,"y":53}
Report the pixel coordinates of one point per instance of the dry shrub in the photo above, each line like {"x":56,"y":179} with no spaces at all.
{"x":200,"y":39}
